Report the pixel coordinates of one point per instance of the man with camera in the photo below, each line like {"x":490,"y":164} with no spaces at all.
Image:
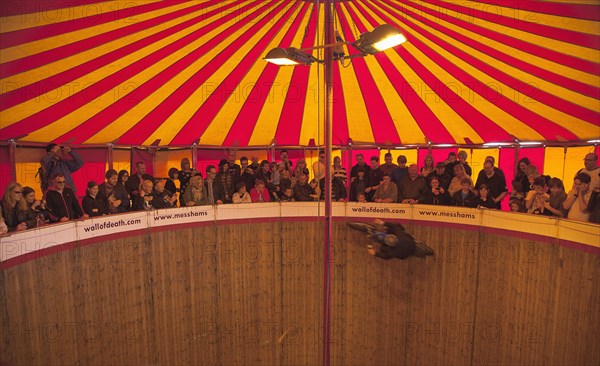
{"x":60,"y":160}
{"x":247,"y":174}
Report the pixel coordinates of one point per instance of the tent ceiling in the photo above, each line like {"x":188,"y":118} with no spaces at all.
{"x":132,"y":72}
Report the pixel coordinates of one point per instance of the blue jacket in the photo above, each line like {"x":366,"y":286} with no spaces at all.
{"x":54,"y":164}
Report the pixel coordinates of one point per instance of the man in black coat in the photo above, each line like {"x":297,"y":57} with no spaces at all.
{"x":62,"y":202}
{"x":496,"y":183}
{"x":215,"y":192}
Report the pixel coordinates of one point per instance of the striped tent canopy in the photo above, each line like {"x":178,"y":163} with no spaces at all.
{"x":135,"y":72}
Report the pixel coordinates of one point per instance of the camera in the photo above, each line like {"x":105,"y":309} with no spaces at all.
{"x":40,"y":207}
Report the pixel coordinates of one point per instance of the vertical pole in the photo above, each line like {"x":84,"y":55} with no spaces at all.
{"x":153,"y":150}
{"x":273,"y":143}
{"x":348,"y":169}
{"x":12,"y":154}
{"x":195,"y":155}
{"x":328,"y":71}
{"x":517,"y":154}
{"x":109,"y":155}
{"x":564,"y":162}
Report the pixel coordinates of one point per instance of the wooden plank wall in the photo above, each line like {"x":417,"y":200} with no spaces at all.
{"x":251,"y":293}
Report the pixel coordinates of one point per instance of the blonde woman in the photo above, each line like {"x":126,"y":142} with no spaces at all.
{"x":301,"y":168}
{"x":194,"y":194}
{"x":15,"y":210}
{"x":459,"y":175}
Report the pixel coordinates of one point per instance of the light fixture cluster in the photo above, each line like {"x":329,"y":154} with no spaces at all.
{"x":379,"y":39}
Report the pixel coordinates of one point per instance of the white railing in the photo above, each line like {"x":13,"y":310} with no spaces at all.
{"x":32,"y":243}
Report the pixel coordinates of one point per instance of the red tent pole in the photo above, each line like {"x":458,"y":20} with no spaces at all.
{"x":328,"y":71}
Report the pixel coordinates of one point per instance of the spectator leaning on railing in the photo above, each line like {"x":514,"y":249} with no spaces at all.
{"x":62,"y":202}
{"x":115,"y":193}
{"x":162,"y":197}
{"x":94,"y":203}
{"x":557,"y":198}
{"x":195,"y":193}
{"x":144,"y":199}
{"x":241,"y":195}
{"x":36,"y":208}
{"x":16,"y":215}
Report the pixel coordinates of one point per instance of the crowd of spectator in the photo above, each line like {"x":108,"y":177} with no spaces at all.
{"x":442,"y":183}
{"x":450,"y":183}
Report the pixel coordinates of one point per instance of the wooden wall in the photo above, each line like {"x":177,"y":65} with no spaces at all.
{"x":251,"y":293}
